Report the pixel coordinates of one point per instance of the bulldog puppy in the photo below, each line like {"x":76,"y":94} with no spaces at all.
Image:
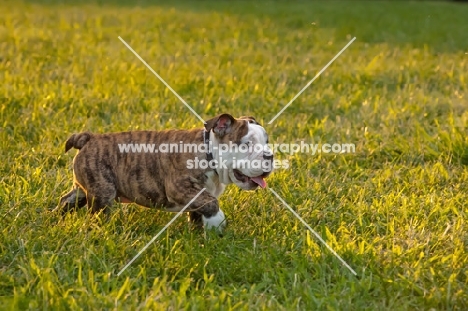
{"x":105,"y":171}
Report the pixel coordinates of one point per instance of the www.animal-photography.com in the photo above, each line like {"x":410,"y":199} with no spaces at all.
{"x":233,"y":155}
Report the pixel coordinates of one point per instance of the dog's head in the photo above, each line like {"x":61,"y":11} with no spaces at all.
{"x":242,"y":146}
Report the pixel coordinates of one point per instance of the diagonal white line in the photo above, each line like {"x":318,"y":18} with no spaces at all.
{"x":311,"y":81}
{"x":161,"y":79}
{"x":313,"y":231}
{"x":160,"y":232}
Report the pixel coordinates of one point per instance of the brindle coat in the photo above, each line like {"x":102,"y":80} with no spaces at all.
{"x":103,"y":174}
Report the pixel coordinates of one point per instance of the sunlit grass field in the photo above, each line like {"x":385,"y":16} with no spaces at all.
{"x":396,"y":210}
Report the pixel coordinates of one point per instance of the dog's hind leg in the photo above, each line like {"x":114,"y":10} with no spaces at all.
{"x":101,"y":198}
{"x":98,"y":181}
{"x":74,"y":199}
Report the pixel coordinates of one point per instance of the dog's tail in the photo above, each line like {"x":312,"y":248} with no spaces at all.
{"x":77,"y":141}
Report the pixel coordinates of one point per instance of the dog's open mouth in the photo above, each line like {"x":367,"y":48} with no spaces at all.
{"x":244,"y":178}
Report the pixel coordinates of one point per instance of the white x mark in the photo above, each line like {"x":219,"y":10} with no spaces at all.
{"x":162,"y":80}
{"x":160,"y":232}
{"x":313,"y":231}
{"x":311,"y":81}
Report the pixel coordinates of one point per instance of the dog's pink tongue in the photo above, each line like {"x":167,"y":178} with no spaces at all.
{"x":259,"y":180}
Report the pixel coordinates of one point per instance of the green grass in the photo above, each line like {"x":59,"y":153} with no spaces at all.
{"x":396,"y":210}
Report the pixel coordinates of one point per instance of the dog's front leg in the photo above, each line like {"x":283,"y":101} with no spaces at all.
{"x":210,"y":216}
{"x":204,"y":211}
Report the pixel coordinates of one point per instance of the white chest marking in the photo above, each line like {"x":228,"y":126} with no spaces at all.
{"x":213,"y":185}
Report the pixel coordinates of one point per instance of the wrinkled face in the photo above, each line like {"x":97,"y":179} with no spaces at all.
{"x":242,"y":146}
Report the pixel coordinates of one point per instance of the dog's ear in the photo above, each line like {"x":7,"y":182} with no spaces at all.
{"x":250,"y":119}
{"x":221,"y":125}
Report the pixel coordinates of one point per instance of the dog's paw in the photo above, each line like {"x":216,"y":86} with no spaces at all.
{"x":217,"y":222}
